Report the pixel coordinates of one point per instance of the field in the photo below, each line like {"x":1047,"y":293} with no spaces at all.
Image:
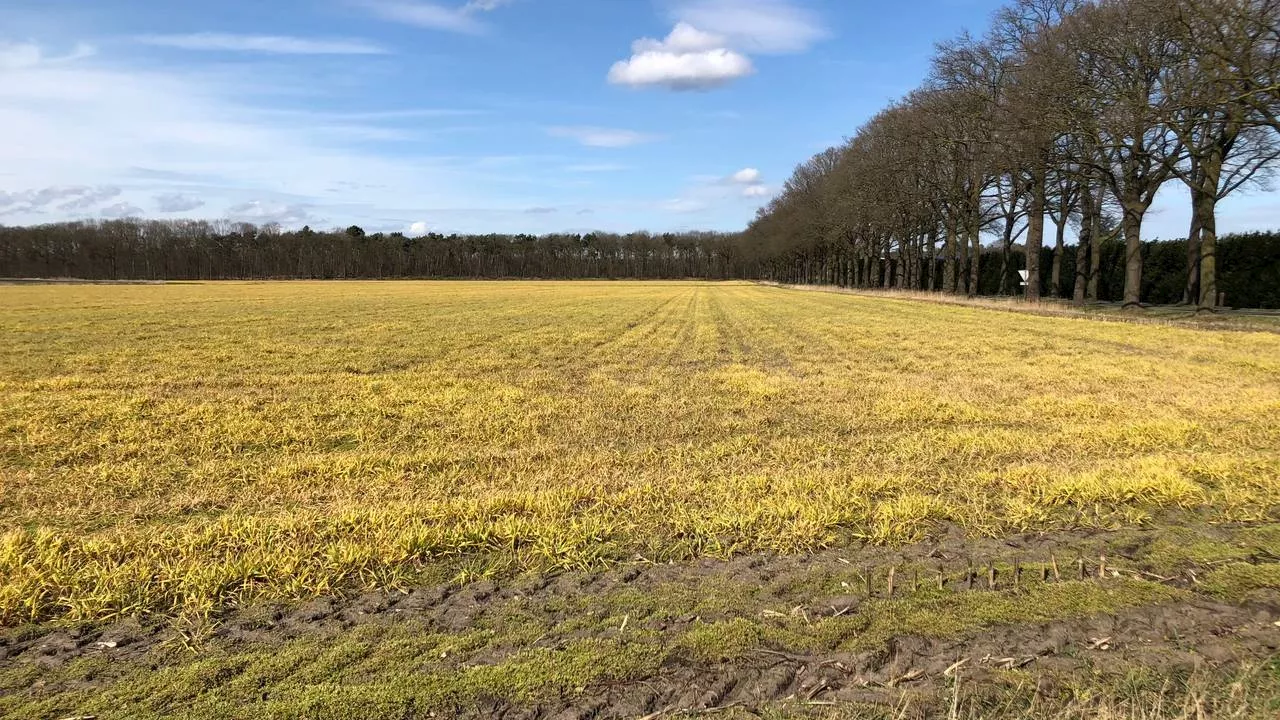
{"x":392,"y":499}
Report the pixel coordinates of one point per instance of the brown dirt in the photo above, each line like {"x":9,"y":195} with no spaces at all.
{"x":1184,"y":636}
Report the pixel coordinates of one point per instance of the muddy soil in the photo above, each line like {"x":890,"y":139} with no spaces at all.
{"x":1193,"y":633}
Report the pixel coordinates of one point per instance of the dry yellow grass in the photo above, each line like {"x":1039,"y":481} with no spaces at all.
{"x":179,"y":447}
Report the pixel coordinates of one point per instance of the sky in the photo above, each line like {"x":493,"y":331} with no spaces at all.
{"x":456,"y":115}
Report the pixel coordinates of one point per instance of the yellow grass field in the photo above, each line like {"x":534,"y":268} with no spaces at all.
{"x":183,"y":448}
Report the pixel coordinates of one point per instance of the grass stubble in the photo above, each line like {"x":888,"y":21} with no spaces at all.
{"x":182,"y":451}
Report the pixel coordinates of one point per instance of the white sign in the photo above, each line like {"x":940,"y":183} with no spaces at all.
{"x":1025,"y":274}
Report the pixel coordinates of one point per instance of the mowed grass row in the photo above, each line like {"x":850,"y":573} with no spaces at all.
{"x":178,"y":448}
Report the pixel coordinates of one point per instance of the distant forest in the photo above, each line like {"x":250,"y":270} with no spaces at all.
{"x":200,"y":250}
{"x":1249,"y":273}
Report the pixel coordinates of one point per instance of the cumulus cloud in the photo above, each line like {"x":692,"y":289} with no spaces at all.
{"x":177,"y":202}
{"x":435,"y":16}
{"x":271,"y":44}
{"x":121,"y":210}
{"x":601,"y":137}
{"x":418,"y":229}
{"x":749,"y":181}
{"x":684,"y":38}
{"x":709,"y":45}
{"x":688,"y":59}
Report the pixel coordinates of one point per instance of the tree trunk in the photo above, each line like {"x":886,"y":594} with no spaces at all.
{"x":1208,"y":255}
{"x":1035,"y":234}
{"x":975,"y":238}
{"x":1006,"y":252}
{"x":1086,"y":247}
{"x":1132,"y":226}
{"x":1191,"y":291}
{"x":1207,"y":209}
{"x":1095,"y":248}
{"x":949,"y":258}
{"x":895,"y":273}
{"x":930,"y":269}
{"x":1055,"y":287}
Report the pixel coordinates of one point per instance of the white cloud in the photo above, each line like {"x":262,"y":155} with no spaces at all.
{"x":601,"y":137}
{"x":207,"y":134}
{"x":418,"y":229}
{"x":271,"y":44}
{"x":121,"y":210}
{"x":688,"y":59}
{"x":177,"y":202}
{"x":682,"y":71}
{"x":755,"y":26}
{"x":90,"y":198}
{"x":77,"y":197}
{"x":684,"y":38}
{"x":709,"y":45}
{"x":749,"y":181}
{"x":262,"y":212}
{"x":435,"y":16}
{"x":20,"y":56}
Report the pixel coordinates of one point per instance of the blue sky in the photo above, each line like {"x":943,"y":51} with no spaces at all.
{"x":454,"y":115}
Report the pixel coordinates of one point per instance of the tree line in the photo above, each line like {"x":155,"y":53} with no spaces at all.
{"x":1074,"y":112}
{"x":202,"y":250}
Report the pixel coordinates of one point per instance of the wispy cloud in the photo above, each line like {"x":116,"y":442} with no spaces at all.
{"x":177,"y":202}
{"x":601,"y":137}
{"x":269,"y":44}
{"x":755,"y":26}
{"x":20,"y":56}
{"x":684,"y":205}
{"x":265,"y":211}
{"x":69,"y":198}
{"x":595,"y":168}
{"x":435,"y":16}
{"x":485,"y":5}
{"x":91,"y":198}
{"x":201,"y":137}
{"x":121,"y":210}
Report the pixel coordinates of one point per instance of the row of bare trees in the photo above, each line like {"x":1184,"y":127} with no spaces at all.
{"x":201,"y":250}
{"x":1074,"y":112}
